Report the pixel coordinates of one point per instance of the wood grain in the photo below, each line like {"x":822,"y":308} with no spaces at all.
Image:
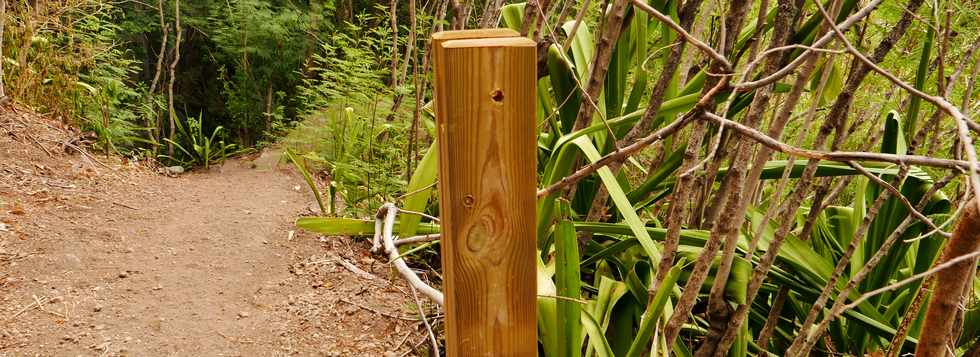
{"x":485,"y":118}
{"x":437,"y":51}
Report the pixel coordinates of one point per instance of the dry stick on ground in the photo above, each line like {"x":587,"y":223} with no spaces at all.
{"x":384,"y":225}
{"x":418,"y":239}
{"x":428,"y":327}
{"x":170,"y":87}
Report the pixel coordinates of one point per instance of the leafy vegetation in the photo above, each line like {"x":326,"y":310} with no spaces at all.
{"x":669,"y":245}
{"x":738,"y":194}
{"x":196,"y":148}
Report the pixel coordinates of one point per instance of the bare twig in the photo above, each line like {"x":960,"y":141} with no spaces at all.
{"x":898,"y":194}
{"x":419,"y":239}
{"x":376,"y":311}
{"x":850,"y":21}
{"x":616,"y":156}
{"x":428,"y":327}
{"x":718,"y":57}
{"x":841,"y":156}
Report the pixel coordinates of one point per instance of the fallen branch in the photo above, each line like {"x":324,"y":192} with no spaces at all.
{"x":384,"y":225}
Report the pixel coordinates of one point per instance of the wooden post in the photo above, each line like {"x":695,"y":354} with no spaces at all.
{"x":437,"y":50}
{"x":485,"y":116}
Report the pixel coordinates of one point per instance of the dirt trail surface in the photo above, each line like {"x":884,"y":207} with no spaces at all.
{"x":119,"y":260}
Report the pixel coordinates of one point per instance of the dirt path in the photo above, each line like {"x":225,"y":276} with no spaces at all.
{"x":206,"y":264}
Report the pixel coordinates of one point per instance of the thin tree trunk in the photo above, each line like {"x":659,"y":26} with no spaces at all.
{"x":173,"y":77}
{"x":409,"y":58}
{"x":163,"y":49}
{"x":3,"y":21}
{"x":393,"y":12}
{"x":268,"y":107}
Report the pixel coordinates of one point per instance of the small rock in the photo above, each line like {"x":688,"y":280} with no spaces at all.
{"x":242,"y":314}
{"x":124,"y":275}
{"x":158,"y":287}
{"x":97,"y":308}
{"x":175,"y":170}
{"x":73,"y":260}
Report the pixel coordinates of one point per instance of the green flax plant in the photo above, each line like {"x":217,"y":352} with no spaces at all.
{"x":678,"y":216}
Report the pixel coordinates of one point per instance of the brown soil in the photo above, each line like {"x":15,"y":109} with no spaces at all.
{"x":119,"y":260}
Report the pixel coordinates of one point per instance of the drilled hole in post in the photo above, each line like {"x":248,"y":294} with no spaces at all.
{"x":497,"y":95}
